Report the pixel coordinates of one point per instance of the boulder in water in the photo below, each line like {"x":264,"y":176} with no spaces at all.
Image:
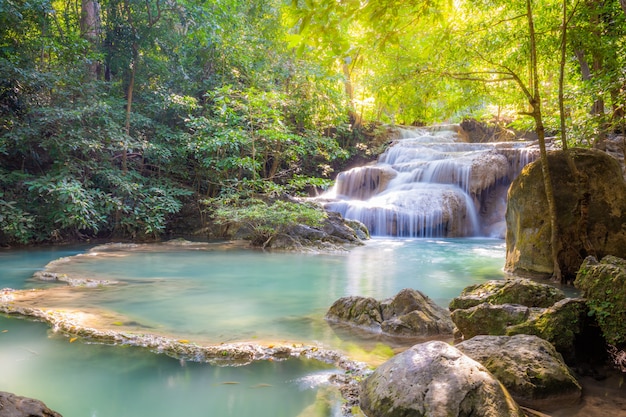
{"x":409,"y":314}
{"x":435,"y":379}
{"x":12,"y":405}
{"x":529,"y":367}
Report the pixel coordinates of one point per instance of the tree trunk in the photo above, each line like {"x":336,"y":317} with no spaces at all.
{"x":581,"y":180}
{"x":535,"y":103}
{"x":355,"y":119}
{"x":90,"y":30}
{"x":129,"y":105}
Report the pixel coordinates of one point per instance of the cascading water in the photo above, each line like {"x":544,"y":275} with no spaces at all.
{"x":431,"y":183}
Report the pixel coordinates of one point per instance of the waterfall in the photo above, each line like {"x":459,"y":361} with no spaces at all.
{"x":431,"y":183}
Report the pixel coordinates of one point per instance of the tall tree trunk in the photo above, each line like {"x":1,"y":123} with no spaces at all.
{"x":129,"y":105}
{"x":90,"y":30}
{"x":535,"y":103}
{"x":581,"y":179}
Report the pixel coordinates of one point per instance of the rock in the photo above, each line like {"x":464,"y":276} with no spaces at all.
{"x":487,"y":169}
{"x":530,"y":368}
{"x":604,"y":287}
{"x":335,"y":234}
{"x":434,"y":379}
{"x":12,"y":405}
{"x":409,"y":314}
{"x":515,"y":291}
{"x":590,"y":219}
{"x":489,"y":319}
{"x":562,"y":324}
{"x":363,"y":312}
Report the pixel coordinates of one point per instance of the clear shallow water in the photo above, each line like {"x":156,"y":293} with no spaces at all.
{"x":82,"y":380}
{"x":243,"y":295}
{"x":218,"y":296}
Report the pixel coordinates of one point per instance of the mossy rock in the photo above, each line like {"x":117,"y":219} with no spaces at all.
{"x":511,"y":291}
{"x":604,"y":287}
{"x":559,"y":325}
{"x":488,"y":319}
{"x":529,"y":367}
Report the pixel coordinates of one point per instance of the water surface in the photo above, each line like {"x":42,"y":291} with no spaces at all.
{"x":216,"y":296}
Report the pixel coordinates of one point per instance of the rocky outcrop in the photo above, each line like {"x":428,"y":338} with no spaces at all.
{"x":521,"y":306}
{"x":12,"y":405}
{"x":562,"y":324}
{"x":591,"y":213}
{"x":409,"y":314}
{"x":530,"y":368}
{"x":604,"y":287}
{"x":517,"y":291}
{"x":434,"y":379}
{"x":335,"y":234}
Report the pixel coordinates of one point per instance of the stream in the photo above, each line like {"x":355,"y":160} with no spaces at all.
{"x":218,"y":294}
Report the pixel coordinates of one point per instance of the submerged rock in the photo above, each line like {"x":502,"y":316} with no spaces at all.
{"x":409,"y":314}
{"x":530,"y":368}
{"x":435,"y":379}
{"x":12,"y":405}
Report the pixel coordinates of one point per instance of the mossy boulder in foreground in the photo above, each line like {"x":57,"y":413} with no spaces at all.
{"x":517,"y":291}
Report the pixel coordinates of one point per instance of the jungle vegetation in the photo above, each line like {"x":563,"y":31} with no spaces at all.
{"x":117,"y":114}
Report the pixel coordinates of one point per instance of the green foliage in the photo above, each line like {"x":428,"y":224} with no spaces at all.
{"x":266,"y":219}
{"x":241,"y":97}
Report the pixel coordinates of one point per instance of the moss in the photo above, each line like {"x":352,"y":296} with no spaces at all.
{"x":604,"y":287}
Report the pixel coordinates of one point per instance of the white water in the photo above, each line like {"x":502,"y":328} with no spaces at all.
{"x":432,"y":184}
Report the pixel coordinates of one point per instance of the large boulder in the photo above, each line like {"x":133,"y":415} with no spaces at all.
{"x":530,"y":368}
{"x":591,"y":213}
{"x":604,"y":287}
{"x":517,"y":291}
{"x":409,"y":314}
{"x":12,"y":405}
{"x":434,"y":379}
